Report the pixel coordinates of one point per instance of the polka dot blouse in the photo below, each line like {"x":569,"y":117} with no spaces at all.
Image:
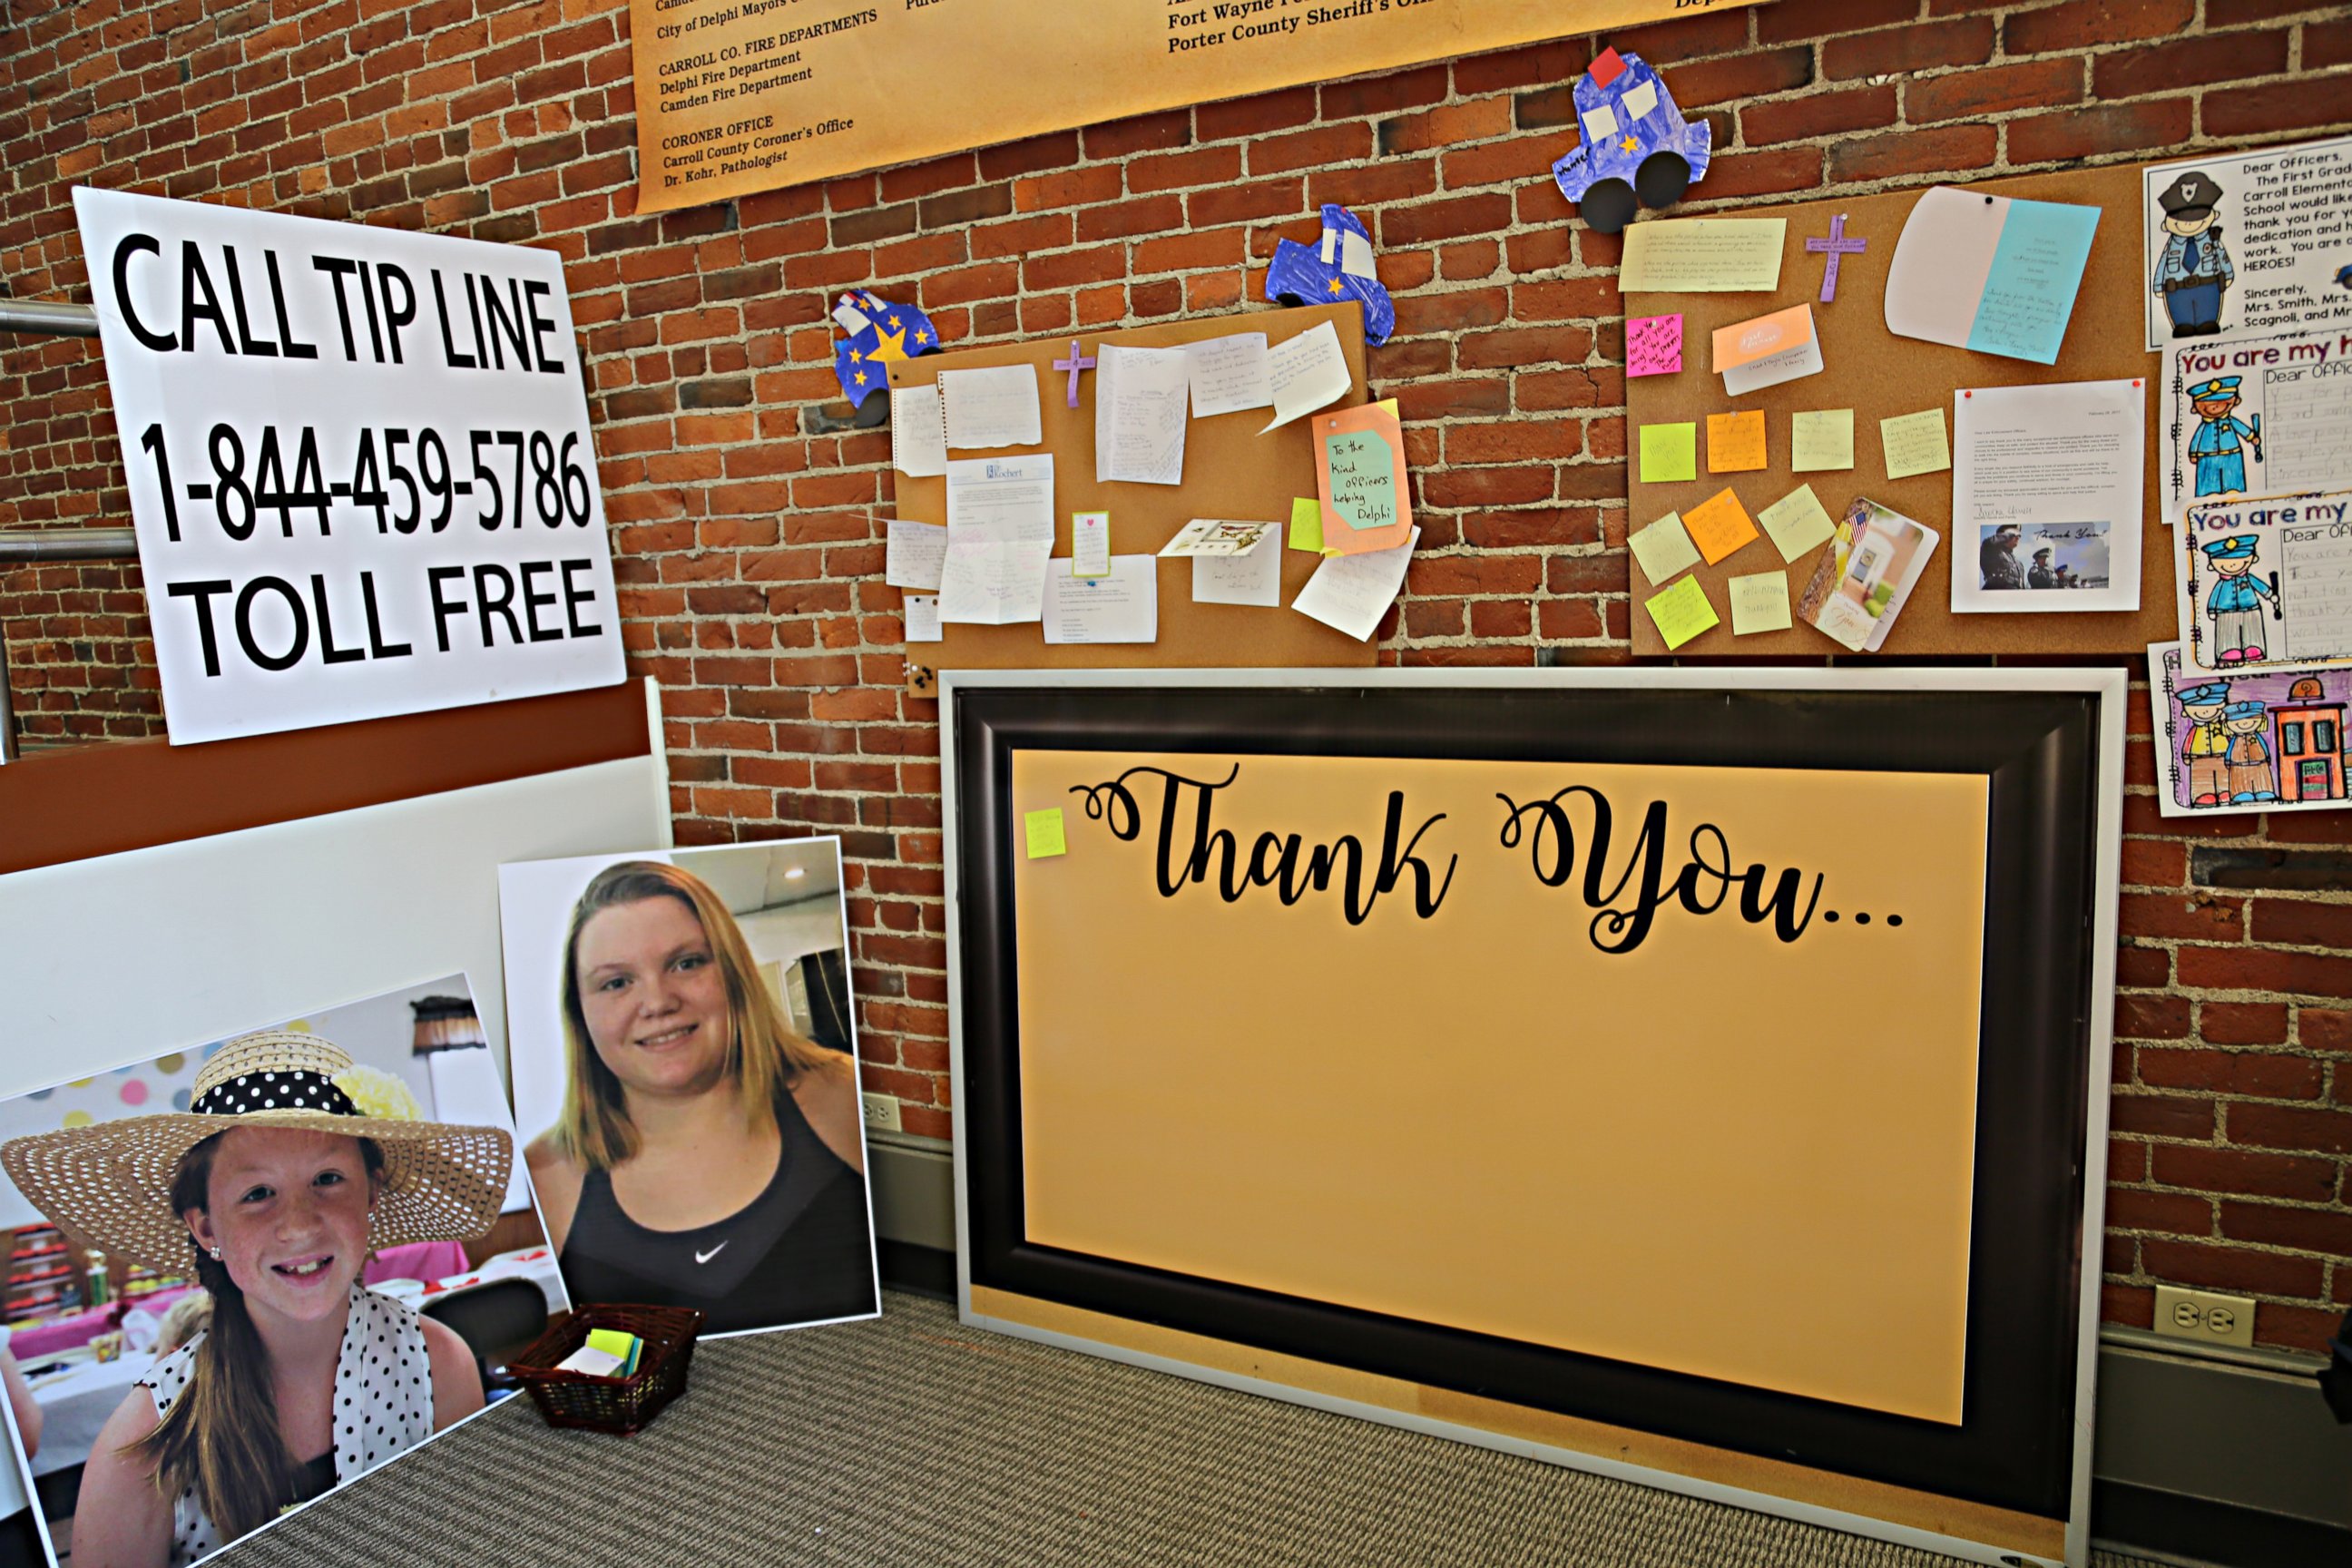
{"x":384,"y":1405}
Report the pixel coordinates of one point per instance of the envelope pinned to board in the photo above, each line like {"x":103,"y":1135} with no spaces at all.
{"x":1988,"y":273}
{"x":1766,"y":351}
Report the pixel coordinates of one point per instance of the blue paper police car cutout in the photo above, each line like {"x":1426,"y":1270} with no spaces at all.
{"x":1634,"y":144}
{"x":1340,"y":268}
{"x":878,"y":331}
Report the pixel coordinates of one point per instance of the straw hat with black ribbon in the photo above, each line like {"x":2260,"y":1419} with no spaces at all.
{"x":111,"y":1181}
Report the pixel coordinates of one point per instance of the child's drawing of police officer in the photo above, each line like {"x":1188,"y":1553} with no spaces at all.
{"x":2221,"y":437}
{"x":2251,"y":779}
{"x":2234,"y":603}
{"x":2207,"y":749}
{"x":2194,"y":269}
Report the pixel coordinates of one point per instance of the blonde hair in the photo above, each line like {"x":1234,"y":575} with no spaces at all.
{"x":221,"y":1437}
{"x":765,"y":1054}
{"x":183,"y":1320}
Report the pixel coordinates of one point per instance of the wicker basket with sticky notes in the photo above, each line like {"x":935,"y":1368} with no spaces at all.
{"x":621,"y":1404}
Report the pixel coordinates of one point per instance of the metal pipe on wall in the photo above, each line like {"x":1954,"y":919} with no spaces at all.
{"x":19,"y":546}
{"x":56,"y":320}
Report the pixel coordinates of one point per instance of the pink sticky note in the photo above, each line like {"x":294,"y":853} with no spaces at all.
{"x":1654,"y":345}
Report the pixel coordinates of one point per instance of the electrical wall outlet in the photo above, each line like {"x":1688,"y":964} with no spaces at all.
{"x":2205,"y":1316}
{"x":881,"y":1112}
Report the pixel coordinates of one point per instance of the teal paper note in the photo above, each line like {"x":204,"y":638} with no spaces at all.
{"x":2036,"y":270}
{"x":1363,"y":478}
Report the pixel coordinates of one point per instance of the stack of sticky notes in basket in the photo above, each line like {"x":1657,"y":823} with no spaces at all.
{"x":609,"y":1352}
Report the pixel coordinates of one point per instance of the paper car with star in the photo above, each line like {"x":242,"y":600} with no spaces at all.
{"x":877,"y":332}
{"x":1636,"y":145}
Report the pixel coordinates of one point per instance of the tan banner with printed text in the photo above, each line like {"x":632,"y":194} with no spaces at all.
{"x":738,"y":96}
{"x":1675,"y":1065}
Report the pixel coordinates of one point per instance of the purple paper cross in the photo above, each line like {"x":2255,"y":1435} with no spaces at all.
{"x":1838,"y":247}
{"x":1075,"y":363}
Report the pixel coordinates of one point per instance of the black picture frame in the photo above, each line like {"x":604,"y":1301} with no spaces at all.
{"x":2041,"y":1025}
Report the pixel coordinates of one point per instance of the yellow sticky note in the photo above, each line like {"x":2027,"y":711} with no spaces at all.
{"x":1307,"y":523}
{"x":1916,"y":444}
{"x":1044,"y":831}
{"x":1735,"y":442}
{"x":1682,"y":612}
{"x":1719,"y":525}
{"x":1797,"y":523}
{"x":1703,"y":255}
{"x":1669,"y":452}
{"x":1760,"y":603}
{"x":1664,"y":548}
{"x":1820,"y":440}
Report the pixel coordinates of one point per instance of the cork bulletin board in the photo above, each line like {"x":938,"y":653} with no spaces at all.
{"x":1224,"y":1122}
{"x":1879,"y":376}
{"x":1231,"y":471}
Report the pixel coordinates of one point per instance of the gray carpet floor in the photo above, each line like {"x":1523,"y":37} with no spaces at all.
{"x":914,"y":1441}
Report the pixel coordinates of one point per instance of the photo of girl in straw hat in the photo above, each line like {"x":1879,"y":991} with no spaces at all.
{"x":286,"y":1169}
{"x":684,"y":1038}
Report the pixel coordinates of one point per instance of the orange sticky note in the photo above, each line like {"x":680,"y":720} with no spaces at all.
{"x":1745,"y":343}
{"x":1735,"y":442}
{"x":1719,"y":525}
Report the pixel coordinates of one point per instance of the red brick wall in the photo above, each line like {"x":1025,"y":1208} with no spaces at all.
{"x":751,"y":570}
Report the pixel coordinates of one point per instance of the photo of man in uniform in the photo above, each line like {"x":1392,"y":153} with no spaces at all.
{"x":1997,"y":562}
{"x":2194,"y":270}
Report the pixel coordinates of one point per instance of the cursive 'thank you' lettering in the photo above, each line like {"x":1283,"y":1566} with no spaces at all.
{"x":1701,"y":885}
{"x":1192,"y":850}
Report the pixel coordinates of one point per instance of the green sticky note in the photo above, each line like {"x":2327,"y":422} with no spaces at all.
{"x":1914,"y":444}
{"x":1044,"y":831}
{"x":1797,"y":523}
{"x":1363,"y":478}
{"x":1820,"y":440}
{"x":1669,"y":452}
{"x":1682,"y":612}
{"x":1306,"y":524}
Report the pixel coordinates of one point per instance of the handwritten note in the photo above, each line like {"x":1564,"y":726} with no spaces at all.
{"x":1682,"y":612}
{"x":1139,"y":416}
{"x":1760,"y":603}
{"x":1719,"y":526}
{"x":1351,"y":593}
{"x":2037,"y":270}
{"x":918,"y":431}
{"x":1664,"y":549}
{"x":1045,"y":833}
{"x":1252,"y":579}
{"x":1229,"y":375}
{"x":995,"y":408}
{"x":1916,"y":444}
{"x":1797,"y":523}
{"x":922,"y":613}
{"x":1703,"y":256}
{"x":1735,"y":442}
{"x":1820,"y":440}
{"x":1214,"y":536}
{"x":1654,"y":345}
{"x":1669,"y":452}
{"x":913,"y":554}
{"x":1306,"y":524}
{"x":1363,"y":488}
{"x":1305,"y":373}
{"x":1091,"y":545}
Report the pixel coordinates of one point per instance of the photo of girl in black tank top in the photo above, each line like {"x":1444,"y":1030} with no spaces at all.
{"x":707,"y":1153}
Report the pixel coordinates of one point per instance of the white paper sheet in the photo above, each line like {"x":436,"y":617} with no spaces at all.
{"x":1228,"y":375}
{"x":991,"y":408}
{"x":923,"y":618}
{"x":1000,"y":536}
{"x":1307,"y":371}
{"x":913,"y":554}
{"x":2064,"y":462}
{"x":1252,"y":579}
{"x":918,"y":432}
{"x":1139,"y":414}
{"x":1122,"y":608}
{"x":1351,"y":593}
